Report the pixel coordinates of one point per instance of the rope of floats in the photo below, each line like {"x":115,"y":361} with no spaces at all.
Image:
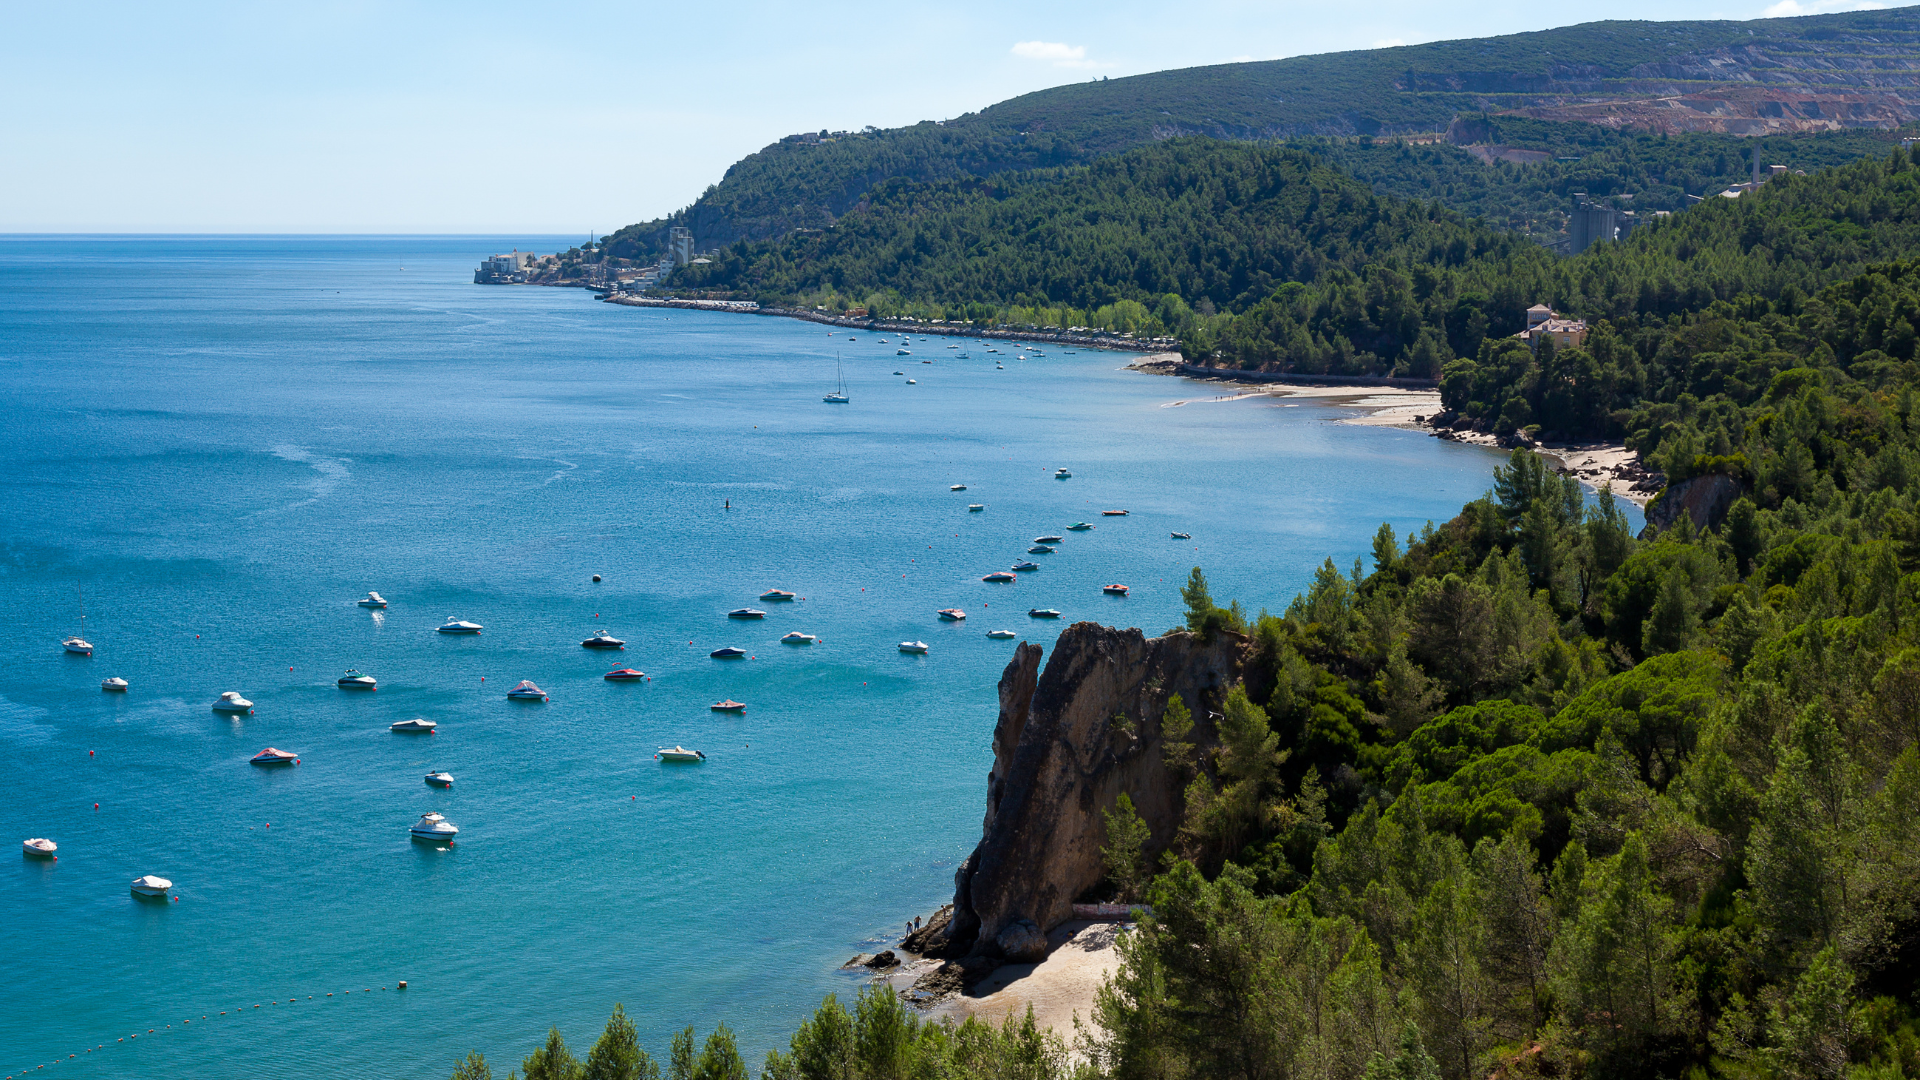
{"x":24,"y":1070}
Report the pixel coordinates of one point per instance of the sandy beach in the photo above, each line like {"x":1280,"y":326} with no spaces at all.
{"x":1058,"y":988}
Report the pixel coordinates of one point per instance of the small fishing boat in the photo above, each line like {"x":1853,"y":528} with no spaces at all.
{"x":999,"y":367}
{"x":974,"y":508}
{"x":952,"y":614}
{"x":728,"y":653}
{"x":917,"y":647}
{"x":1039,"y":549}
{"x":353,"y":680}
{"x":1042,"y":613}
{"x":151,"y":886}
{"x":270,"y":756}
{"x":913,"y":382}
{"x":1058,"y":474}
{"x":1114,"y":590}
{"x":440,"y":779}
{"x":679,"y":753}
{"x":232,"y":702}
{"x":1048,"y":539}
{"x":998,"y":575}
{"x":798,"y":638}
{"x":1113,"y":513}
{"x":1000,"y":634}
{"x":902,"y":352}
{"x":526,"y":691}
{"x":1026,"y":566}
{"x":435,"y":829}
{"x":958,"y":487}
{"x":39,"y":848}
{"x":1079,"y":526}
{"x":625,"y":674}
{"x":414,"y":725}
{"x":776,"y":595}
{"x":1182,"y":536}
{"x":78,"y":646}
{"x":373,"y":599}
{"x":728,"y":705}
{"x":899,"y":373}
{"x":746,"y":613}
{"x":115,"y":683}
{"x":603,"y":640}
{"x":460,"y":626}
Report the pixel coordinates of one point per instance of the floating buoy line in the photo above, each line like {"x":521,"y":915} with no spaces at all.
{"x":184,"y":1024}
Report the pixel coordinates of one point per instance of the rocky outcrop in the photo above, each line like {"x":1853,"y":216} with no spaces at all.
{"x":1705,"y":499}
{"x":1071,"y":740}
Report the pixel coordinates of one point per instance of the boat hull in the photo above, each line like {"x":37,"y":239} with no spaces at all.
{"x":433,"y":838}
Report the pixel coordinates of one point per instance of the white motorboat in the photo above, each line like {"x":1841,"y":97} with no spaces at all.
{"x":433,"y":827}
{"x":526,"y":691}
{"x":1039,"y":549}
{"x":917,"y":647}
{"x":270,"y":756}
{"x":746,"y":613}
{"x":777,"y":595}
{"x":1061,"y":474}
{"x":1026,"y":566}
{"x":1042,"y":613}
{"x":354,"y":680}
{"x":913,"y":382}
{"x":951,"y":614}
{"x":1000,"y":634}
{"x":232,"y":702}
{"x":603,"y":640}
{"x":415,"y":724}
{"x":151,"y":886}
{"x":373,"y":599}
{"x":974,"y":508}
{"x":1114,"y":590}
{"x":115,"y":683}
{"x":1049,"y":539}
{"x":460,"y":626}
{"x":1182,"y":536}
{"x":39,"y":848}
{"x":440,"y":779}
{"x":957,"y":487}
{"x":997,"y":575}
{"x":78,"y":646}
{"x":798,"y":638}
{"x":679,"y":753}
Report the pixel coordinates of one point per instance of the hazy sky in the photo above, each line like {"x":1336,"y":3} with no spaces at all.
{"x":496,"y":117}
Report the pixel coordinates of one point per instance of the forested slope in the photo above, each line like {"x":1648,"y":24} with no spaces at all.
{"x":808,"y":182}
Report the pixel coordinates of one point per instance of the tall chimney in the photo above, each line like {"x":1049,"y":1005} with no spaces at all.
{"x":1756,"y":163}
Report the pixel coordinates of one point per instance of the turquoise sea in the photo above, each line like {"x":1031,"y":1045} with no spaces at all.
{"x":218,"y":444}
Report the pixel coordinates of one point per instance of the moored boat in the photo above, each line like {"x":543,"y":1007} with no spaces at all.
{"x":39,"y":848}
{"x":746,"y":613}
{"x":679,"y":754}
{"x":1001,"y":634}
{"x":776,"y":595}
{"x":354,"y":680}
{"x":952,"y":614}
{"x":460,"y":626}
{"x":1048,"y":539}
{"x":373,"y":600}
{"x":918,"y":647}
{"x":1114,"y":513}
{"x":417,"y":724}
{"x":1058,"y":474}
{"x":115,"y":683}
{"x":1080,"y":526}
{"x":728,"y":705}
{"x":232,"y":702}
{"x":1024,"y":566}
{"x":78,"y":646}
{"x":434,"y":828}
{"x":625,"y":674}
{"x":270,"y":756}
{"x":151,"y":886}
{"x":1042,"y":613}
{"x":997,"y":575}
{"x":1114,"y":590}
{"x":958,"y":487}
{"x":798,"y":638}
{"x":603,"y":640}
{"x":728,"y":653}
{"x":526,"y":691}
{"x":440,"y":779}
{"x":1182,"y":536}
{"x":1039,"y":549}
{"x":974,"y":508}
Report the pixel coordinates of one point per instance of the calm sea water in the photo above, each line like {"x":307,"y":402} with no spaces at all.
{"x":225,"y":441}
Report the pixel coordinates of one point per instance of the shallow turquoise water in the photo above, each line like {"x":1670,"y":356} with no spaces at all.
{"x":228,"y":440}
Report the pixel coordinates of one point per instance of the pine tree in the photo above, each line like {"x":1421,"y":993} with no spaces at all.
{"x":720,"y":1058}
{"x":1125,"y":850}
{"x":616,"y":1055}
{"x":474,"y":1068}
{"x":552,"y":1061}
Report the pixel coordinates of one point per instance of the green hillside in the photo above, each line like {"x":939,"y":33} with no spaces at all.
{"x":808,"y":181}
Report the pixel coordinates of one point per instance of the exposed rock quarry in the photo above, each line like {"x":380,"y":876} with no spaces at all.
{"x":1069,"y":741}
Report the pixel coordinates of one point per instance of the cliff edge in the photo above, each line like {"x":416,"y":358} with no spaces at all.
{"x":1069,"y":741}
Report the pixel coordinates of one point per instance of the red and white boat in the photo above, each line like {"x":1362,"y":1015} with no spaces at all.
{"x":526,"y":691}
{"x":625,"y":674}
{"x":270,"y":756}
{"x":1114,"y":590}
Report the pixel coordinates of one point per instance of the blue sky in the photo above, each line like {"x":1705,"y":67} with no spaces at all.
{"x":494,"y":117}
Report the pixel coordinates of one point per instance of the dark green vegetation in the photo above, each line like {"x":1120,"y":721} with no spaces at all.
{"x":810,"y":181}
{"x":879,"y":1039}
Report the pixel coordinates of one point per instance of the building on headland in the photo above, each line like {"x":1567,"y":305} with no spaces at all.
{"x":1593,"y":221}
{"x":680,"y":246}
{"x":504,"y":269}
{"x":1542,"y":323}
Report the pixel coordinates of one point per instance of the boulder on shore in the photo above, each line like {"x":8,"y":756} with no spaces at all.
{"x":950,"y":978}
{"x":932,"y":939}
{"x":1022,"y":942}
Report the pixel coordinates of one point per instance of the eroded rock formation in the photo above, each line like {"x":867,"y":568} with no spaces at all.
{"x":1070,"y":740}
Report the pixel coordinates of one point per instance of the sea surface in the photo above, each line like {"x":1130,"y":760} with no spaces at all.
{"x":213,"y":446}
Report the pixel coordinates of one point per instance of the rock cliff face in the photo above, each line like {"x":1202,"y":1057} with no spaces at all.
{"x":1706,"y":499}
{"x":1069,"y":742}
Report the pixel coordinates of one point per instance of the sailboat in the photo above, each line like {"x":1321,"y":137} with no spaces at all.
{"x":839,"y":395}
{"x":79,"y":644}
